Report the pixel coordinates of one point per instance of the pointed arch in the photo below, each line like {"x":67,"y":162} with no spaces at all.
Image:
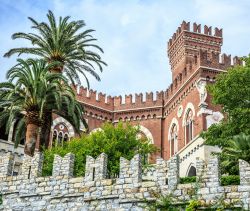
{"x":173,"y":137}
{"x":189,"y":106}
{"x":191,"y":172}
{"x":188,"y":123}
{"x":174,"y":121}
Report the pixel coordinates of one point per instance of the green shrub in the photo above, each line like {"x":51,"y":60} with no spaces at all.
{"x":230,"y":180}
{"x":116,"y":141}
{"x":193,"y":205}
{"x":185,"y":180}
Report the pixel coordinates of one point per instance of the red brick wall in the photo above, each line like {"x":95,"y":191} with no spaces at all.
{"x":194,"y":55}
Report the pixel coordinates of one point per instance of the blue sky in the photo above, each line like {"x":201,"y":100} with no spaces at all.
{"x":133,"y":34}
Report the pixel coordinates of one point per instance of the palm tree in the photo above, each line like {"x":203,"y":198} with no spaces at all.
{"x":238,"y":148}
{"x":64,"y":43}
{"x":30,"y":92}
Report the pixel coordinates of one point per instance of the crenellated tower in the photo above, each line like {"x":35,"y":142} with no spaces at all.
{"x":185,"y":45}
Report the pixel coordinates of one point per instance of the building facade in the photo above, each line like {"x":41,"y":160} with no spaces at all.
{"x":172,"y":119}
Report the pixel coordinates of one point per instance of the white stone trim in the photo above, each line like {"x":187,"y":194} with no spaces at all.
{"x":64,"y":121}
{"x":190,"y":165}
{"x":174,"y":121}
{"x":189,"y":106}
{"x":54,"y":130}
{"x":95,"y":130}
{"x":147,"y":133}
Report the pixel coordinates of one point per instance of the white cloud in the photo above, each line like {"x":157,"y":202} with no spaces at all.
{"x":134,"y":34}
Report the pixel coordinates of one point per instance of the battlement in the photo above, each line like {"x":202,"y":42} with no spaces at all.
{"x":92,"y":97}
{"x":95,"y":98}
{"x":138,"y":100}
{"x":185,"y":44}
{"x":217,"y":61}
{"x":185,"y":27}
{"x":133,"y":186}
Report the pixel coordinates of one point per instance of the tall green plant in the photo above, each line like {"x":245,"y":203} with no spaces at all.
{"x":116,"y":141}
{"x":65,"y":42}
{"x":237,"y":148}
{"x":232,"y":92}
{"x":30,"y":92}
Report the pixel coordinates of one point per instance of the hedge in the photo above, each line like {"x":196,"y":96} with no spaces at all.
{"x":230,"y":180}
{"x":185,"y":180}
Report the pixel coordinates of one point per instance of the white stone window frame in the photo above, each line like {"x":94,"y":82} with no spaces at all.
{"x":173,"y":123}
{"x":189,"y":107}
{"x":61,"y":120}
{"x":57,"y":137}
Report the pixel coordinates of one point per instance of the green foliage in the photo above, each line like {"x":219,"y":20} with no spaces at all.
{"x":237,"y":148}
{"x":164,"y":203}
{"x":1,"y":199}
{"x":185,"y":180}
{"x":221,"y":204}
{"x":31,"y":90}
{"x":171,"y":203}
{"x":62,"y":41}
{"x":116,"y":141}
{"x":232,"y":92}
{"x":230,"y":180}
{"x":193,"y":205}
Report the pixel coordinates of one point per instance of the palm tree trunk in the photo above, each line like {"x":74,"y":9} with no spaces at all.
{"x":57,"y":69}
{"x":44,"y":138}
{"x":31,"y":138}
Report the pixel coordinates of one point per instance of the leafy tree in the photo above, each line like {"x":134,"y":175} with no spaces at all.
{"x":232,"y":92}
{"x":31,"y":91}
{"x":65,"y":43}
{"x":116,"y":141}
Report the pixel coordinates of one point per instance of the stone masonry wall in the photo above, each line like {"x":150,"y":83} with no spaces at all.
{"x":61,"y":191}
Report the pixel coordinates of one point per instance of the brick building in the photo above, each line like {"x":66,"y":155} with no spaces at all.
{"x":174,"y":118}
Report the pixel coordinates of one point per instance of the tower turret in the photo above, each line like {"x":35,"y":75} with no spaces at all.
{"x":184,"y":46}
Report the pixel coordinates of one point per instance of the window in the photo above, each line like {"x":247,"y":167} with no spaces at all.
{"x":65,"y":138}
{"x":192,"y":172}
{"x":54,"y":138}
{"x":173,"y":141}
{"x":189,"y":126}
{"x":60,"y":139}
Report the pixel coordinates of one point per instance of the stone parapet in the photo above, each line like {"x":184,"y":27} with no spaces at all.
{"x":63,"y":166}
{"x":127,"y":192}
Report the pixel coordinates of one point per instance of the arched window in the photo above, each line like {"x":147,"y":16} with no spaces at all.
{"x":189,"y":124}
{"x":173,"y":141}
{"x":192,"y":171}
{"x":65,"y":138}
{"x":54,"y":138}
{"x":60,"y":139}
